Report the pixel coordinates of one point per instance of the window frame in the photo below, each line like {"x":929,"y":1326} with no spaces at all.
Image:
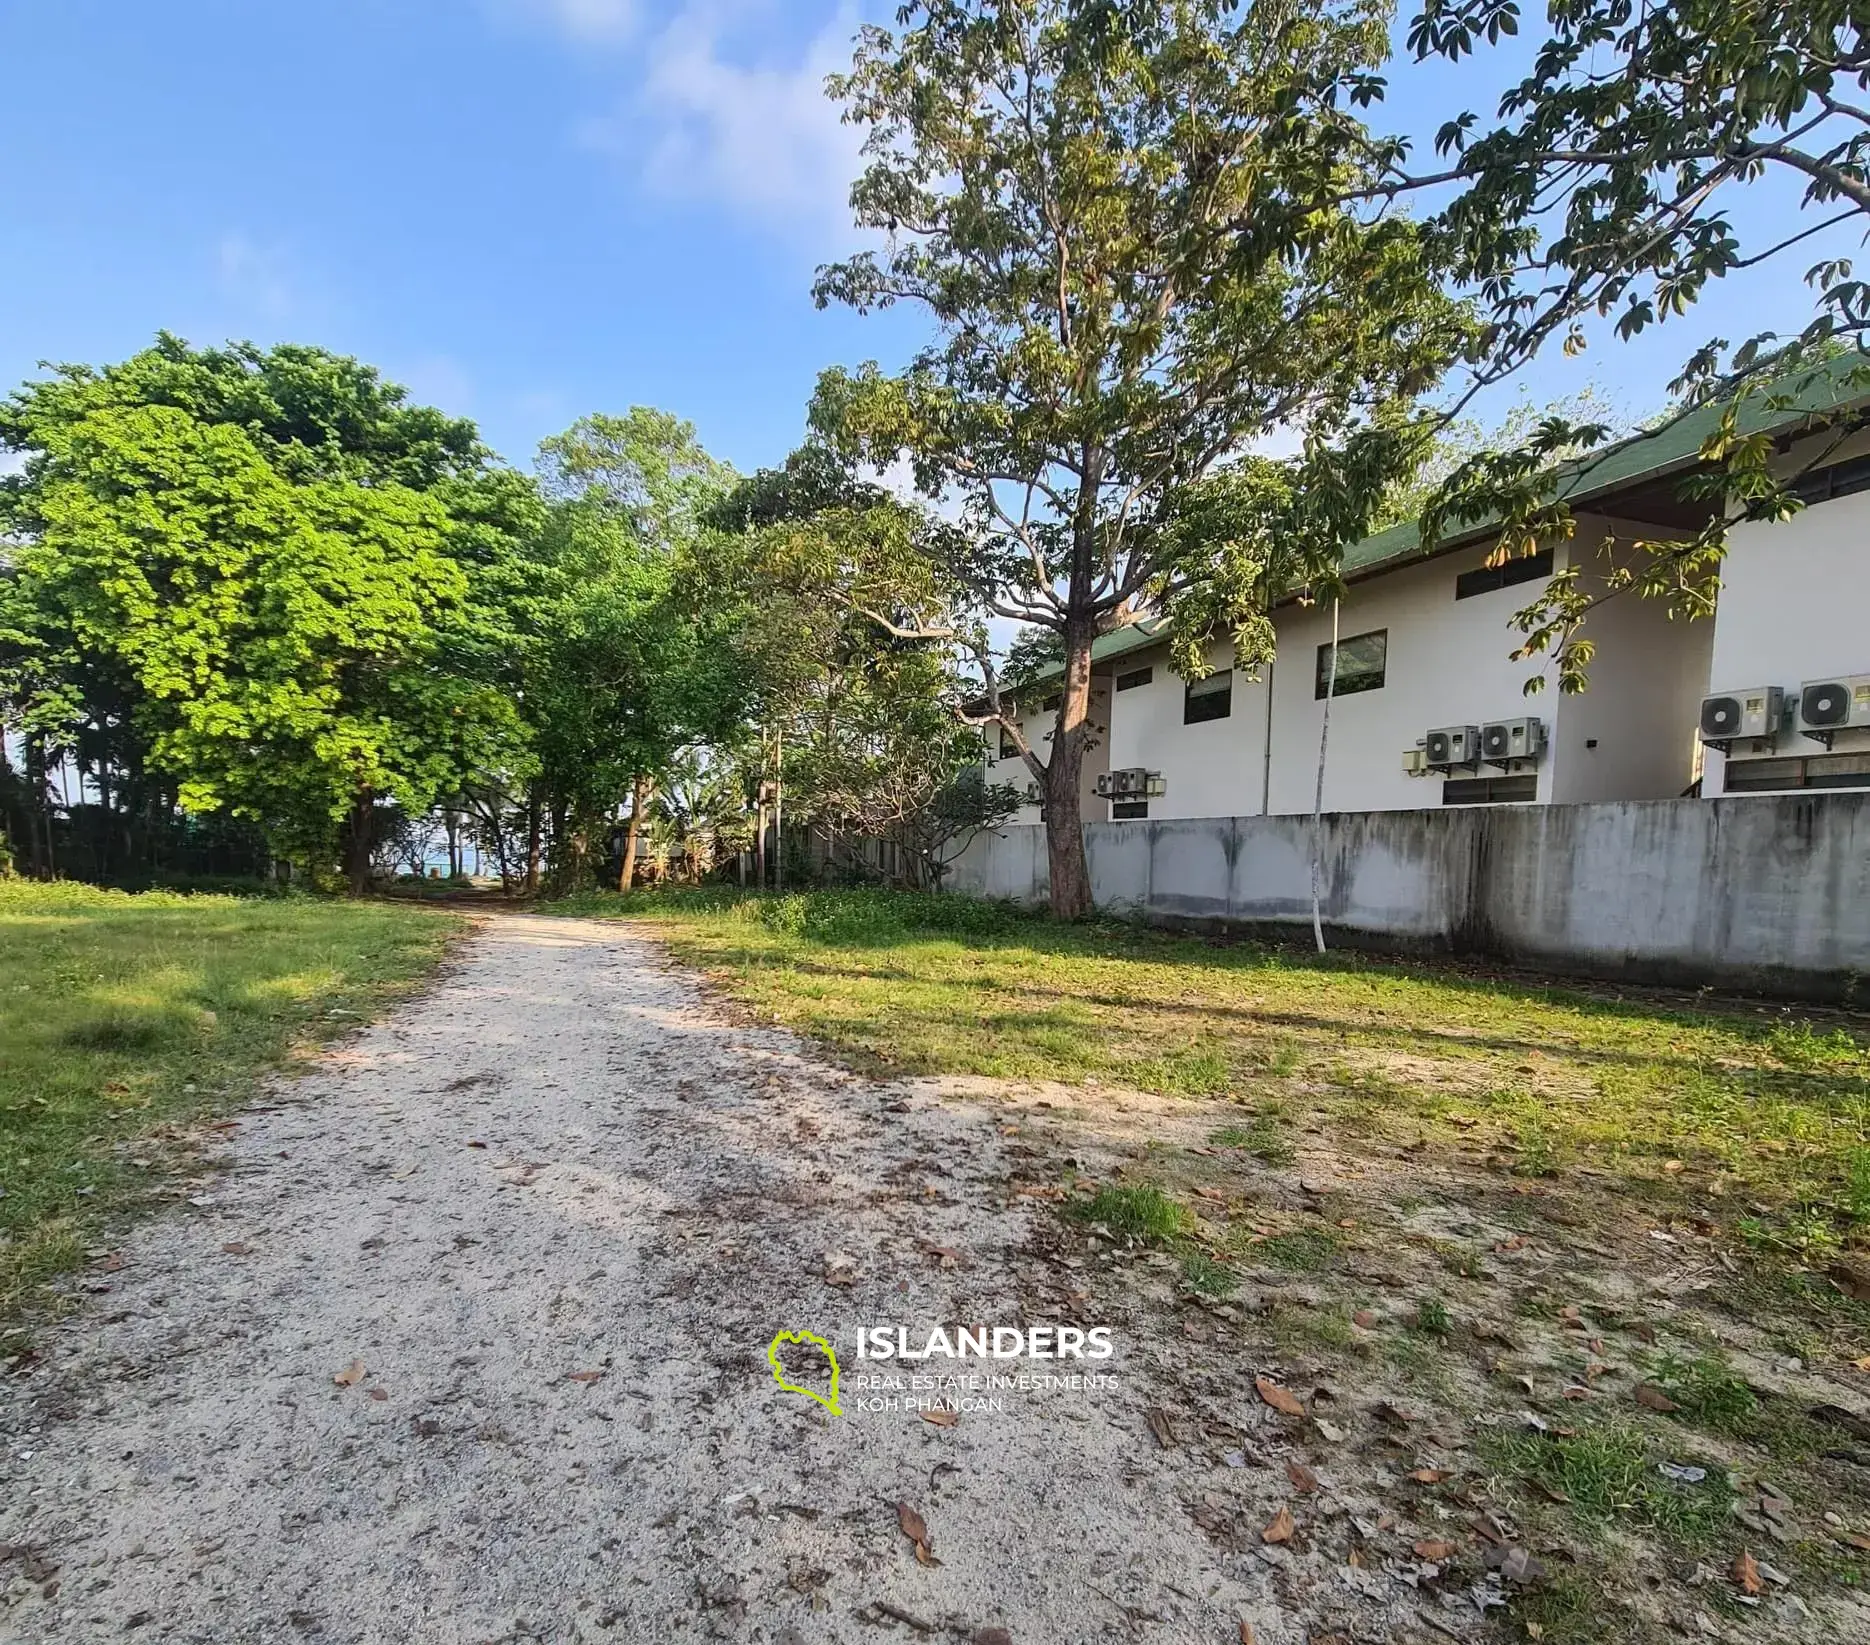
{"x":1136,"y":677}
{"x":1205,"y":691}
{"x":1322,"y":684}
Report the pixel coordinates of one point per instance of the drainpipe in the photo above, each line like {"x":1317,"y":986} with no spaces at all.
{"x":1318,"y":799}
{"x":1266,"y":751}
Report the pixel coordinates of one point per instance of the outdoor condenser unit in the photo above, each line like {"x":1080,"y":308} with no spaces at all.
{"x":1452,"y":745}
{"x":1504,"y":741}
{"x":1830,"y":706}
{"x":1132,"y":783}
{"x":1731,"y":715}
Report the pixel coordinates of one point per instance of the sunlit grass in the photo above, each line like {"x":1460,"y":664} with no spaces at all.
{"x":1754,"y":1105}
{"x":121,"y":1015}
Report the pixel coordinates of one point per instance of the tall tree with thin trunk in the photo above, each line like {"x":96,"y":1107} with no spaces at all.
{"x":1123,"y":220}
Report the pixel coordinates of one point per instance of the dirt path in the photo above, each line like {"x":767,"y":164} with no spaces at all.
{"x":562,"y":1162}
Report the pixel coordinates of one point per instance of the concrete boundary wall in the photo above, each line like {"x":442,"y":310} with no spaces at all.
{"x":1769,"y":892}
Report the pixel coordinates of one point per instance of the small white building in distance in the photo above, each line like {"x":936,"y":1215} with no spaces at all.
{"x":1772,"y":694}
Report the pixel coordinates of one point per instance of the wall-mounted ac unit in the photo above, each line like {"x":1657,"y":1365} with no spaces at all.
{"x":1415,"y":762}
{"x":1132,"y":783}
{"x":1827,"y":707}
{"x":1451,"y":745}
{"x":1504,"y":741}
{"x":1729,"y":716}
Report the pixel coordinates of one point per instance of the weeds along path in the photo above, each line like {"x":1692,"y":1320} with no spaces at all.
{"x":468,"y":1343}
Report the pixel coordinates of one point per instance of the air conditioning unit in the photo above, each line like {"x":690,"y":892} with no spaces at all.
{"x":1415,"y":762}
{"x":1730,"y":716}
{"x":1504,"y":741}
{"x":1452,"y":745}
{"x":1132,"y":783}
{"x":1829,"y":706}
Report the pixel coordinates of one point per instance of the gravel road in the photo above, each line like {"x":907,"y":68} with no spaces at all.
{"x":468,"y":1343}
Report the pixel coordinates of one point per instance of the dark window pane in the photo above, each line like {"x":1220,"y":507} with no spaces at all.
{"x":1362,"y":661}
{"x":1209,"y":699}
{"x":1136,"y":677}
{"x":1490,"y":791}
{"x":1126,"y":810}
{"x":1522,"y":568}
{"x":1008,"y":751}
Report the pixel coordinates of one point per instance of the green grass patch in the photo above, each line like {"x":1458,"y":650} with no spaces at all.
{"x":1610,"y":1474}
{"x":1303,"y":1250}
{"x":1205,"y":1276}
{"x":1144,"y":1214}
{"x":121,"y":1014}
{"x":1264,"y":1138}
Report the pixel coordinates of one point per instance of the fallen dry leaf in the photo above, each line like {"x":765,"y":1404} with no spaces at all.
{"x":351,"y":1375}
{"x":1746,"y":1573}
{"x":911,"y":1524}
{"x":1282,"y":1400}
{"x":992,"y":1636}
{"x":1303,"y":1479}
{"x":840,"y":1269}
{"x":1430,"y":1476}
{"x":1280,"y":1528}
{"x":379,"y":1393}
{"x":583,"y":1376}
{"x":238,"y":1248}
{"x":1363,"y":1318}
{"x":1160,"y":1426}
{"x":1649,"y":1395}
{"x":924,"y":1556}
{"x":1246,"y":1633}
{"x":940,"y":1418}
{"x":1436,"y":1552}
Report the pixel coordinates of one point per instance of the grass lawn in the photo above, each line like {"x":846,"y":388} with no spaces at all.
{"x":1763,"y":1111}
{"x":125,"y":1019}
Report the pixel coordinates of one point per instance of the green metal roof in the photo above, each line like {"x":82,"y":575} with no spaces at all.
{"x":1640,"y":459}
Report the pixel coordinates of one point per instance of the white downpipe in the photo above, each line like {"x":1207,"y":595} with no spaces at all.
{"x":1318,"y":797}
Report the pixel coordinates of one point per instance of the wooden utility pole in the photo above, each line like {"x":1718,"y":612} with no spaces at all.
{"x":639,"y":797}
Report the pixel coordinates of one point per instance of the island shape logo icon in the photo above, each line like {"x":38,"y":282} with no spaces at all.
{"x":829,"y":1401}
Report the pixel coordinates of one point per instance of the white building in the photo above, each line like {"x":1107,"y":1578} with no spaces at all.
{"x":1426,"y":643}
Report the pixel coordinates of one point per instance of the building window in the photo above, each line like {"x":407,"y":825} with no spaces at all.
{"x":1490,"y":790}
{"x":1361,"y":661}
{"x":1127,"y":810}
{"x":1839,"y":480}
{"x":1209,"y":699}
{"x":1136,"y":677}
{"x":1050,"y":705}
{"x":1009,"y":750}
{"x":1522,"y":568}
{"x":1819,"y":771}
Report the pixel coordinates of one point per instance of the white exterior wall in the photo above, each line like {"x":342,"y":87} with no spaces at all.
{"x":1795,"y":606}
{"x":1214,"y":769}
{"x":1449,"y":663}
{"x":1631,"y":736}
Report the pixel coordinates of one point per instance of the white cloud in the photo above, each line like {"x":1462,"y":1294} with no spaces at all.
{"x":255,"y":278}
{"x":587,"y":21}
{"x":759,"y":137}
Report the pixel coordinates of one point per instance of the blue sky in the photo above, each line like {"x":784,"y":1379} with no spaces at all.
{"x":523,"y":209}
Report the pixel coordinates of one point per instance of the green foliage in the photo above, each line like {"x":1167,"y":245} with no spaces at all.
{"x":260,"y":566}
{"x":1206,"y":1277}
{"x":1304,"y":1250}
{"x":1644,"y":154}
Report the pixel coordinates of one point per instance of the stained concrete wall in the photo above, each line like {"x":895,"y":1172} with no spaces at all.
{"x":1769,"y":891}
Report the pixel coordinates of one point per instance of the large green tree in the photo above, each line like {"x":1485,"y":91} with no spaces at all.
{"x":267,"y":561}
{"x":640,"y":655}
{"x":1124,"y":221}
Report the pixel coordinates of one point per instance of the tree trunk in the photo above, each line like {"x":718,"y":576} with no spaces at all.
{"x":639,"y":798}
{"x":357,"y":843}
{"x":1070,"y":873}
{"x":535,"y":838}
